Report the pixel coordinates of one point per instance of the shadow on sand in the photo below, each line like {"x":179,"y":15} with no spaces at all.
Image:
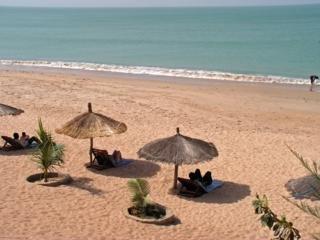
{"x":306,"y":187}
{"x":21,"y":152}
{"x":230,"y":192}
{"x":136,"y":169}
{"x":84,"y":183}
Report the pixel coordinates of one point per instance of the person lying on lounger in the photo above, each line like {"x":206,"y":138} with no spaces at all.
{"x":26,"y":141}
{"x":19,"y":143}
{"x":206,"y":180}
{"x":116,"y":157}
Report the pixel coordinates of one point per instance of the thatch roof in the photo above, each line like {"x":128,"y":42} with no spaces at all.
{"x":178,"y":150}
{"x":7,"y":110}
{"x":91,"y":125}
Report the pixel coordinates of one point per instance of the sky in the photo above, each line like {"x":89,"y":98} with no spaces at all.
{"x":148,"y":3}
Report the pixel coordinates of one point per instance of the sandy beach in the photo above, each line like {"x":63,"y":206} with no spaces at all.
{"x":250,"y":124}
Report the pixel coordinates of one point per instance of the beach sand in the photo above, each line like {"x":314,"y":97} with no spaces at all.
{"x":250,"y":124}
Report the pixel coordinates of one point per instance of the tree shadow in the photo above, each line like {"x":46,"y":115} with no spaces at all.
{"x":84,"y":183}
{"x":307,"y":187}
{"x":230,"y":192}
{"x":136,"y":169}
{"x":20,"y":152}
{"x":175,"y":221}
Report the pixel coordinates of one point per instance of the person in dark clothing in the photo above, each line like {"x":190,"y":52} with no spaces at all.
{"x":312,"y":81}
{"x":16,"y":136}
{"x":195,"y":175}
{"x":192,"y":176}
{"x":207,"y":179}
{"x":198,"y":175}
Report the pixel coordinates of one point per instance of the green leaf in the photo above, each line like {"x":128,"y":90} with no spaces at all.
{"x":49,"y":154}
{"x":140,"y":190}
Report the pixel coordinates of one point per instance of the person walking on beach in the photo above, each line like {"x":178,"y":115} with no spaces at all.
{"x":312,"y":81}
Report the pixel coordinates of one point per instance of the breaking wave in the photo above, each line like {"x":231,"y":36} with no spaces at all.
{"x":158,"y":71}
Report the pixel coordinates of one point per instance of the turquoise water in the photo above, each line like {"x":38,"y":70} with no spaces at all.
{"x":279,"y":41}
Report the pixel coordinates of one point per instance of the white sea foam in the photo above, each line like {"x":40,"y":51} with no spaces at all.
{"x":157,"y":71}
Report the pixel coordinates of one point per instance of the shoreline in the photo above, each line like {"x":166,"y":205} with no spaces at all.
{"x":155,"y":72}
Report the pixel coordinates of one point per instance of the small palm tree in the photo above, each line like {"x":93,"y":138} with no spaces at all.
{"x":49,"y":154}
{"x":142,"y":205}
{"x":140,"y":190}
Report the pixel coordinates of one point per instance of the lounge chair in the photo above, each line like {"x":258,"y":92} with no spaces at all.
{"x":13,"y":144}
{"x":190,"y":188}
{"x":102,"y":160}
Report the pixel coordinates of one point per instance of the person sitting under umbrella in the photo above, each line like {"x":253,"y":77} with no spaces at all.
{"x":206,"y":180}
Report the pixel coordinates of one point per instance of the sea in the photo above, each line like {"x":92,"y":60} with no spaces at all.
{"x":278,"y":44}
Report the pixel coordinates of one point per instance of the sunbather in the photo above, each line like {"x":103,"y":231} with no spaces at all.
{"x":195,"y":175}
{"x":24,"y":141}
{"x":116,"y":156}
{"x":11,"y":143}
{"x":207,"y":179}
{"x":198,"y":175}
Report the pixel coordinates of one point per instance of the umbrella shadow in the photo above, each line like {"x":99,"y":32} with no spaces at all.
{"x":230,"y":192}
{"x":306,"y":187}
{"x":84,"y":183}
{"x":136,"y":169}
{"x":20,"y":152}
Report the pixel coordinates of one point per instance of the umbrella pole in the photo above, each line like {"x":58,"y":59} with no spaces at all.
{"x":90,"y":151}
{"x":175,"y":176}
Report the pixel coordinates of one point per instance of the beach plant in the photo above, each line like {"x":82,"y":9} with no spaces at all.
{"x":140,"y":189}
{"x":282,"y":229}
{"x":314,"y":170}
{"x":143,"y":206}
{"x":49,"y":154}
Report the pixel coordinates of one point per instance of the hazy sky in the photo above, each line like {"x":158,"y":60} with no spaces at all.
{"x":149,"y":3}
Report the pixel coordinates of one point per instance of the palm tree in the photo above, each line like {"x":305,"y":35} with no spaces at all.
{"x":140,"y":190}
{"x":49,"y":154}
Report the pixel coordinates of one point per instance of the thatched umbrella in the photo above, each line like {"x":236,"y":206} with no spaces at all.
{"x":7,"y":110}
{"x":178,"y":150}
{"x":91,"y":125}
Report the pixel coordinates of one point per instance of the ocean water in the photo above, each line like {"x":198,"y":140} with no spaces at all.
{"x":268,"y":44}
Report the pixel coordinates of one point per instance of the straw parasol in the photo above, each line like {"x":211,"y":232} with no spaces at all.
{"x":7,"y":110}
{"x":178,"y":150}
{"x":91,"y":125}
